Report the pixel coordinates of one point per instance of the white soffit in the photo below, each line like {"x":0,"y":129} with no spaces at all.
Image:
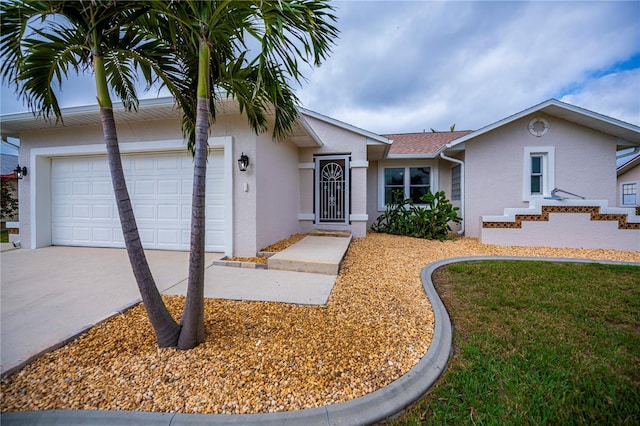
{"x":148,"y":109}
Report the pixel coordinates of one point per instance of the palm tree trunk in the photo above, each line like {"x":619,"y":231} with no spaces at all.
{"x":192,"y":332}
{"x":166,"y":329}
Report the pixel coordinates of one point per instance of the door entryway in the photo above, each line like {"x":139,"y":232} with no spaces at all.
{"x":332,"y":189}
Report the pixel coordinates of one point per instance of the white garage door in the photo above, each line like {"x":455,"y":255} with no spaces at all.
{"x":84,"y":212}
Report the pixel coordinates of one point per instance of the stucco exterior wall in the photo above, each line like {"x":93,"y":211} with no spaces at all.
{"x":372,"y":193}
{"x":336,"y":141}
{"x":567,"y":223}
{"x":277,"y":191}
{"x":495,"y":164}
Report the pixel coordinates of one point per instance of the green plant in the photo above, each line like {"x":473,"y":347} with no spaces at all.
{"x":9,"y":201}
{"x":430,"y":221}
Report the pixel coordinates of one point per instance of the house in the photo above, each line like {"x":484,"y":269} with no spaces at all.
{"x":629,"y":180}
{"x":8,"y":164}
{"x":326,"y":175}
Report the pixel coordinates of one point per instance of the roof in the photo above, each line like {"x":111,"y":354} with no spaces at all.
{"x":634,"y":161}
{"x":8,"y":164}
{"x":372,"y":138}
{"x":416,"y":145}
{"x":148,"y":109}
{"x":628,"y":135}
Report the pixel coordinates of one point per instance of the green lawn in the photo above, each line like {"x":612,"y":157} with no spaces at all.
{"x":538,"y":343}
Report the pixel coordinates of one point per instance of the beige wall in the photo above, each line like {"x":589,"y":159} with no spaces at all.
{"x":372,"y":194}
{"x":336,"y":141}
{"x":495,"y":166}
{"x":277,"y":190}
{"x":570,"y":225}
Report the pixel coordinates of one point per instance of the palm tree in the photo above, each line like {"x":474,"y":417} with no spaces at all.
{"x":42,"y":42}
{"x":208,"y":42}
{"x":211,"y":39}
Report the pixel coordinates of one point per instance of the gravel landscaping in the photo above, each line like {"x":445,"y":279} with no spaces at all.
{"x":263,"y":357}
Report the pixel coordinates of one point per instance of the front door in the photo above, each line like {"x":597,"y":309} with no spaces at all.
{"x":332,"y":189}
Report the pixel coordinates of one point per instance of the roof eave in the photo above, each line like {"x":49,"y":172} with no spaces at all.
{"x":372,"y":138}
{"x":627,"y":134}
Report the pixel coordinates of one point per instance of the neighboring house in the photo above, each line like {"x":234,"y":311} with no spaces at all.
{"x":8,"y":164}
{"x":326,"y":175}
{"x":628,"y":194}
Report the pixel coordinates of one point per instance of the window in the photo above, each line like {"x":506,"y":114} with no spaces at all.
{"x":414,"y":182}
{"x":630,"y":194}
{"x":538,"y":175}
{"x":456,"y":192}
{"x":393,"y":181}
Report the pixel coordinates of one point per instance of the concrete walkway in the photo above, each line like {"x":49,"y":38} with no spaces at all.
{"x":317,"y":254}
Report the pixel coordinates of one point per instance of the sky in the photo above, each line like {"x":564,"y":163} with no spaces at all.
{"x":419,"y":65}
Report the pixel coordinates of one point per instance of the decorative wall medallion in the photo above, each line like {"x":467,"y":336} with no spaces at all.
{"x":538,"y":127}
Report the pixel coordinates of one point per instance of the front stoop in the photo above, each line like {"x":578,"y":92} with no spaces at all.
{"x":316,"y":254}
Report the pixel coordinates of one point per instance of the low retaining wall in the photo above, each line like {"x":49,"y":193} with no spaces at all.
{"x":565,"y":223}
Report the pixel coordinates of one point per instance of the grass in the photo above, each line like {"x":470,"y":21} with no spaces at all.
{"x":4,"y":236}
{"x":538,"y":343}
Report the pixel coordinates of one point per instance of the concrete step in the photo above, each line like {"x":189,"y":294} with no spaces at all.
{"x":317,"y":254}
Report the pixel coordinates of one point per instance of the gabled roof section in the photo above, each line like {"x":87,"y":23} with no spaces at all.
{"x":372,"y":138}
{"x":421,"y":145}
{"x":627,"y":134}
{"x":634,"y":161}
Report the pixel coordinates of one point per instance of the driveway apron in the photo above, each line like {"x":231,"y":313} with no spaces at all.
{"x":49,"y":295}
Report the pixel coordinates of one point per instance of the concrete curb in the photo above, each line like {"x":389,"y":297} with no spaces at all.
{"x":368,"y":409}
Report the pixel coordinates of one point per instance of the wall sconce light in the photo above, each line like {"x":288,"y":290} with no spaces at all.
{"x":20,"y":172}
{"x":243,"y":162}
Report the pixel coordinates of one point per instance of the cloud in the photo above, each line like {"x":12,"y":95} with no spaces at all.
{"x":406,"y":66}
{"x":616,"y":95}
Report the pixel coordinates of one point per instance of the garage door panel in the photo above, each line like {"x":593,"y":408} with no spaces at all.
{"x":102,"y":235}
{"x":144,"y":187}
{"x":84,"y":212}
{"x":144,"y":212}
{"x":81,"y":233}
{"x":169,"y":187}
{"x":168,"y":212}
{"x":101,"y":187}
{"x":101,"y":211}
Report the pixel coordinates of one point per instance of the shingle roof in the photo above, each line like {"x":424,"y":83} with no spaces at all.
{"x":422,"y":143}
{"x":8,"y":163}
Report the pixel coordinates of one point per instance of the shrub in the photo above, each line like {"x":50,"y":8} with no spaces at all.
{"x":430,"y":221}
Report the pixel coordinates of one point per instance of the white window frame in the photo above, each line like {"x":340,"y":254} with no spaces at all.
{"x":382,"y":165}
{"x":547,"y":153}
{"x":632,"y":182}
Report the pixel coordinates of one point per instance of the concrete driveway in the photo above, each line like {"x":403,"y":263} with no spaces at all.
{"x":49,"y":295}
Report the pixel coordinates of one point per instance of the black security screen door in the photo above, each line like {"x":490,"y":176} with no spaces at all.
{"x":332,"y":189}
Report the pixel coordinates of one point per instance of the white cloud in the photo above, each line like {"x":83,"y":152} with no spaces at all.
{"x":616,"y":95}
{"x":414,"y":65}
{"x":409,"y":66}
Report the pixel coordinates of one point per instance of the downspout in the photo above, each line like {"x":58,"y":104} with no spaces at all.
{"x":462,"y":194}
